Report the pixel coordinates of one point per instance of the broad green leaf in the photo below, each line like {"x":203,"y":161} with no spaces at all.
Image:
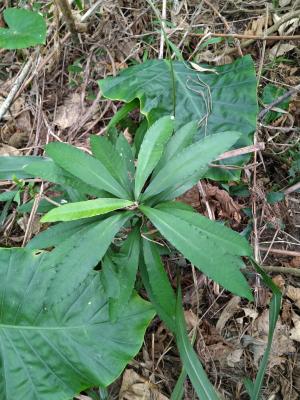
{"x":48,"y":170}
{"x":12,"y":167}
{"x":180,"y":140}
{"x":108,"y":155}
{"x":84,"y":250}
{"x":189,"y":358}
{"x":58,"y":233}
{"x":151,"y":150}
{"x":126,"y":262}
{"x":271,"y":93}
{"x":25,"y":28}
{"x":85,"y":209}
{"x":197,"y":238}
{"x":159,"y":283}
{"x":50,"y":349}
{"x":223,"y":101}
{"x":190,"y":164}
{"x":254,"y":388}
{"x":86,"y":168}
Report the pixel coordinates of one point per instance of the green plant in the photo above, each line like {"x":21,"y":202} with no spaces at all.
{"x":127,"y":201}
{"x":25,"y":28}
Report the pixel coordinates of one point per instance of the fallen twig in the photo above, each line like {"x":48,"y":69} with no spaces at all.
{"x":242,"y":36}
{"x":241,"y":151}
{"x":292,"y":189}
{"x":277,"y":101}
{"x":282,"y":252}
{"x":283,"y":270}
{"x":15,"y":87}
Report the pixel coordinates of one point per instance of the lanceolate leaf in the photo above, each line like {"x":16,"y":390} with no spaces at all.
{"x":58,"y":233}
{"x":108,"y":155}
{"x":48,"y":170}
{"x":181,"y":139}
{"x":190,"y":164}
{"x":25,"y":28}
{"x":83,"y":251}
{"x":159,"y":283}
{"x":52,"y":350}
{"x":151,"y":150}
{"x":125,"y":151}
{"x":86,"y":168}
{"x":84,"y":209}
{"x":201,"y":242}
{"x":190,"y":360}
{"x":126,"y":264}
{"x":11,"y":167}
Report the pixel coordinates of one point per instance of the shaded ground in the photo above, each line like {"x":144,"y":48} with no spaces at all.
{"x":60,"y":100}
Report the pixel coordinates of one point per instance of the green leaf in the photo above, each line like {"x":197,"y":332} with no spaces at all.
{"x":52,"y":350}
{"x":85,"y":209}
{"x":122,"y":113}
{"x":108,"y":155}
{"x":161,"y":289}
{"x":227,"y":98}
{"x":8,"y":195}
{"x":254,"y":388}
{"x":86,"y":168}
{"x":189,"y":358}
{"x":271,"y":93}
{"x":58,"y":233}
{"x":151,"y":150}
{"x":84,"y":250}
{"x":179,"y":141}
{"x":125,"y":151}
{"x":11,"y":167}
{"x":184,"y":170}
{"x":25,"y":29}
{"x":48,"y":170}
{"x":126,"y":265}
{"x":197,"y":238}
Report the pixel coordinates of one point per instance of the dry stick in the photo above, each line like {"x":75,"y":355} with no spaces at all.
{"x":239,"y":36}
{"x":274,"y":28}
{"x":162,"y":35}
{"x":17,"y":84}
{"x":288,"y":253}
{"x":237,"y":43}
{"x":241,"y":151}
{"x":284,"y":270}
{"x":66,"y":10}
{"x":289,"y":93}
{"x":292,"y":189}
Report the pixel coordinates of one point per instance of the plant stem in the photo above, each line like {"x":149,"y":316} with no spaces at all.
{"x":65,"y":8}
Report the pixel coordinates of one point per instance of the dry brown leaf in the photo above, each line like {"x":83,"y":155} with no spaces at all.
{"x":231,"y":307}
{"x":249,"y":312}
{"x":284,"y":3}
{"x":234,"y":357}
{"x":191,"y":319}
{"x":293,"y":294}
{"x":279,"y":281}
{"x":220,"y":199}
{"x":70,"y":112}
{"x":288,"y":27}
{"x":6,"y":150}
{"x":197,"y":67}
{"x":279,"y":49}
{"x":135,"y":387}
{"x":282,"y":344}
{"x":256,"y":27}
{"x":295,"y":332}
{"x":295,"y":262}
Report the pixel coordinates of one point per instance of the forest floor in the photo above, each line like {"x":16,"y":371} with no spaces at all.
{"x":60,"y":100}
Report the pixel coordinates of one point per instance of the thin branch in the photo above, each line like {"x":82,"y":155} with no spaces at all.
{"x":163,"y":22}
{"x":282,"y":270}
{"x":66,"y":11}
{"x":282,"y":252}
{"x":15,"y":87}
{"x":244,"y":37}
{"x":277,"y":101}
{"x":241,"y":151}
